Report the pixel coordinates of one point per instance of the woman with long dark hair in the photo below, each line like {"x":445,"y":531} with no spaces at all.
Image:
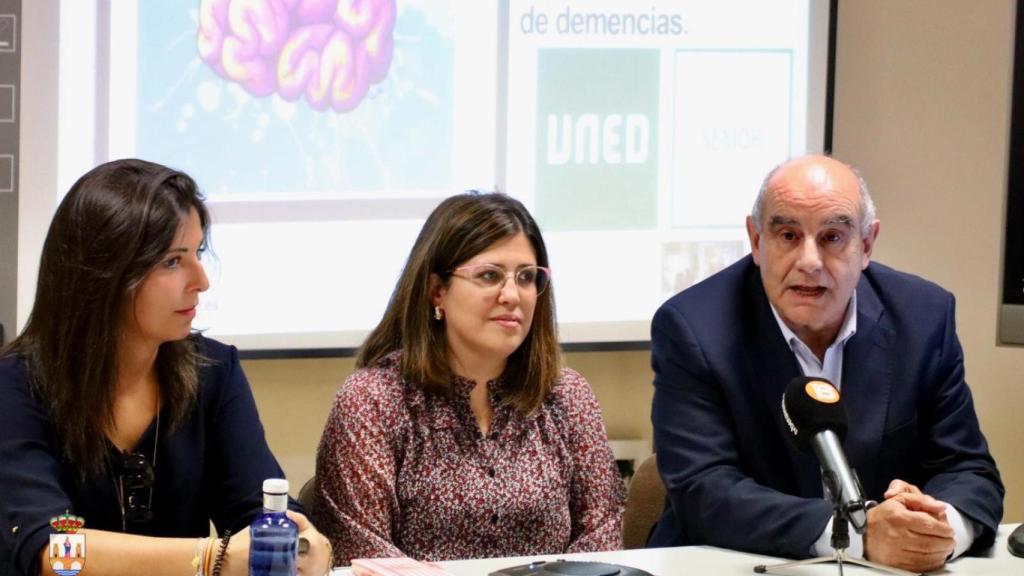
{"x":461,"y":435}
{"x":114,"y":410}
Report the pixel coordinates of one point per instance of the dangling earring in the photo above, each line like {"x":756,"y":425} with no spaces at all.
{"x":438,"y":313}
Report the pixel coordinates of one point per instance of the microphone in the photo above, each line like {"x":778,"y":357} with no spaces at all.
{"x":816,"y":421}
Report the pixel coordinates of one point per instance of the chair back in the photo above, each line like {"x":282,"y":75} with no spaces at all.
{"x":645,"y":503}
{"x":306,"y":495}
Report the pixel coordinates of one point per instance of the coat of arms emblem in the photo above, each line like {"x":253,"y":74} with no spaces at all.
{"x":67,"y":546}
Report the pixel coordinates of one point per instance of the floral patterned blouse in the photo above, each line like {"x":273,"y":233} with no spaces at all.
{"x":401,"y":472}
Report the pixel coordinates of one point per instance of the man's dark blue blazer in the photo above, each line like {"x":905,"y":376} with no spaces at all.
{"x":721,"y":365}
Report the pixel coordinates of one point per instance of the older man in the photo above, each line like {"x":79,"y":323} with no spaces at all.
{"x":808,"y":301}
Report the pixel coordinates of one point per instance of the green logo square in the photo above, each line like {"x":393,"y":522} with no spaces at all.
{"x":597,"y":127}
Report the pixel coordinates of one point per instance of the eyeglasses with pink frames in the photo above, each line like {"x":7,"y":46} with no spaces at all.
{"x":494,"y":277}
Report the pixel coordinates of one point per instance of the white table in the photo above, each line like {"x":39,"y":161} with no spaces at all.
{"x":709,"y":561}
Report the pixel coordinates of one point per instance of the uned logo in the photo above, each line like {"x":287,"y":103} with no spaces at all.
{"x":588,"y":138}
{"x":597,"y":127}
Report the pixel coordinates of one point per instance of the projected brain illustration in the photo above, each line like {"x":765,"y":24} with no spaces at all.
{"x":329,"y":51}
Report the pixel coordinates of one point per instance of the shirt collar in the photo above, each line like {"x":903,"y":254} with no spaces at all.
{"x":496,"y":388}
{"x":846,"y":331}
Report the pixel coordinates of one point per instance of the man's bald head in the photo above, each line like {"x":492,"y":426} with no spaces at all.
{"x":816,"y":167}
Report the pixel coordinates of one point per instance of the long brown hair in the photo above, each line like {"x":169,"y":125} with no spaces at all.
{"x":458,"y":229}
{"x":115,"y":224}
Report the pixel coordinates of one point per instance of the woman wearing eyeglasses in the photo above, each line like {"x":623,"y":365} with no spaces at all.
{"x":113,"y":410}
{"x":461,"y":436}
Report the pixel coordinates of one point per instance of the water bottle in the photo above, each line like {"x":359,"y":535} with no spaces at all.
{"x":274,"y":538}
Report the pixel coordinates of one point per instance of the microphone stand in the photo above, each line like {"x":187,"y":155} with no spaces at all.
{"x":840,"y":542}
